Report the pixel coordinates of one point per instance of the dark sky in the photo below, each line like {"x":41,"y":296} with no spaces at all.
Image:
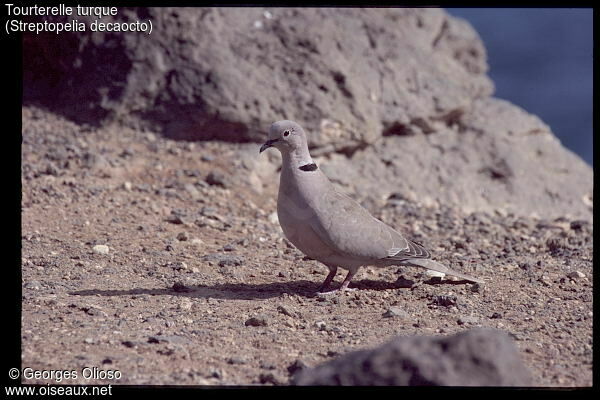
{"x":542,"y":60}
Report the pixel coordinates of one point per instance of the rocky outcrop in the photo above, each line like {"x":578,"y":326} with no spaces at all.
{"x":478,"y":357}
{"x":496,"y":158}
{"x":348,"y":75}
{"x":396,"y":101}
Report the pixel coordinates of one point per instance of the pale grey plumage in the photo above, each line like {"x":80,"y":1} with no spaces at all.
{"x":329,"y":226}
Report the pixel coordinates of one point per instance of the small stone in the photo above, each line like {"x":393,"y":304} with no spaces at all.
{"x":191,"y":189}
{"x":576,"y":275}
{"x":175,"y":219}
{"x":34,"y":285}
{"x":268,"y":377}
{"x":127,"y":186}
{"x":445,"y":301}
{"x":180,"y":287}
{"x":88,"y":340}
{"x":197,"y":242}
{"x":101,"y":249}
{"x":236,"y":361}
{"x":296,"y":366}
{"x":285,"y":311}
{"x":434,"y":274}
{"x":578,"y":225}
{"x":216,"y":178}
{"x":467,"y":320}
{"x":321,"y":325}
{"x":94,"y":311}
{"x":229,"y":247}
{"x":182,"y":236}
{"x":185,"y":304}
{"x":395,"y":312}
{"x":230,"y":262}
{"x":555,"y":244}
{"x":477,"y":288}
{"x":273,"y":218}
{"x":266,"y":365}
{"x":259,"y":320}
{"x":177,"y":265}
{"x":496,"y":315}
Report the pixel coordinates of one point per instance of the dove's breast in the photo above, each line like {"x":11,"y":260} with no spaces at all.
{"x":294,"y":217}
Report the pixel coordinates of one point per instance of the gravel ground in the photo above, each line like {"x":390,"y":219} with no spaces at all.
{"x":163,"y":261}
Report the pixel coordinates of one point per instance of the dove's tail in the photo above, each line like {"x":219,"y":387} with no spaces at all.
{"x":436,"y":266}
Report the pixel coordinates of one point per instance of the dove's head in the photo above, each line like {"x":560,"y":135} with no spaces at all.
{"x":287,"y":137}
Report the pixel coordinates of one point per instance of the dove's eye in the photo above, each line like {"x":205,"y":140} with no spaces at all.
{"x":286,"y":133}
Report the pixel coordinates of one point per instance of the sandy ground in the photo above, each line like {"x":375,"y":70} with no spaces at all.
{"x":162,"y":261}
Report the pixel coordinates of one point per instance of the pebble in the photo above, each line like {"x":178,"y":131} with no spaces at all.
{"x":576,"y":275}
{"x":266,"y":365}
{"x":445,"y":301}
{"x":94,"y":311}
{"x":467,"y":320}
{"x":101,"y":249}
{"x":273,"y":218}
{"x":434,"y":274}
{"x":182,"y":236}
{"x":175,"y":219}
{"x":395,"y":312}
{"x":224,"y":260}
{"x":268,"y":377}
{"x":236,"y":361}
{"x":180,"y":287}
{"x":285,"y":311}
{"x":321,"y":325}
{"x":578,"y":225}
{"x":229,"y":247}
{"x":185,"y":304}
{"x":296,"y":366}
{"x":477,"y":288}
{"x":259,"y":320}
{"x":216,"y":178}
{"x":197,"y":242}
{"x":191,"y":189}
{"x":34,"y":285}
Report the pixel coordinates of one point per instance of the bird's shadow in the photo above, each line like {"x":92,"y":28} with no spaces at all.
{"x":245,"y":291}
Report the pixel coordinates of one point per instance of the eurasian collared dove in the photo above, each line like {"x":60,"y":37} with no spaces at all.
{"x":329,"y":226}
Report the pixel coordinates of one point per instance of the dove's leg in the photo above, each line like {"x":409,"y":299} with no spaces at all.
{"x":325,"y":285}
{"x":346,"y":281}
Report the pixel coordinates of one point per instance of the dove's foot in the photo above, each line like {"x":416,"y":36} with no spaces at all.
{"x":344,"y":288}
{"x":322,"y":292}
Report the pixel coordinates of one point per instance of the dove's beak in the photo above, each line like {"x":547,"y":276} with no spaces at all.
{"x":268,"y":143}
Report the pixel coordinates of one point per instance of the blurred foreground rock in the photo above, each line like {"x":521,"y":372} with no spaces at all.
{"x":478,"y":357}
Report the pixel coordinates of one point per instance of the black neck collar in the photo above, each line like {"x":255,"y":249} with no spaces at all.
{"x":308,"y":167}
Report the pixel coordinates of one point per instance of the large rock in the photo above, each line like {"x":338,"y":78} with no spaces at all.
{"x":478,"y":357}
{"x":348,"y":75}
{"x":395,"y":101}
{"x":494,"y":157}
